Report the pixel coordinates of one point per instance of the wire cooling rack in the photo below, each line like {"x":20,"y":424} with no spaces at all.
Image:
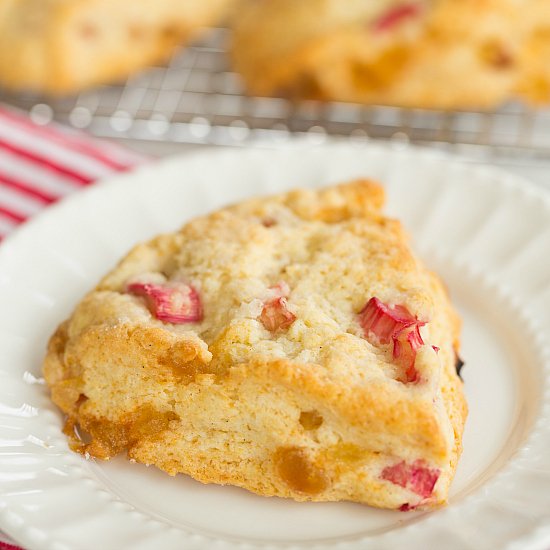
{"x":197,"y":99}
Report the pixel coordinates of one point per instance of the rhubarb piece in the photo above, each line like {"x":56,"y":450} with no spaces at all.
{"x":176,"y":303}
{"x":416,"y":477}
{"x":423,"y":478}
{"x":405,"y":346}
{"x":396,"y":16}
{"x":382,"y":322}
{"x":276,"y":315}
{"x":397,"y":474}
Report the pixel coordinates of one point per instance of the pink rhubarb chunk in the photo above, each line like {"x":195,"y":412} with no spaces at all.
{"x":405,"y":346}
{"x":275,"y":313}
{"x":383,"y":324}
{"x":176,"y":303}
{"x":397,"y":15}
{"x":416,"y":477}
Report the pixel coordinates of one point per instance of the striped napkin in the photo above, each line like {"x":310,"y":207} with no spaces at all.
{"x":41,"y":164}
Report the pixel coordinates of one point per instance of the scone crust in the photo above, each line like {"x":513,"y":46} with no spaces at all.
{"x":225,"y":400}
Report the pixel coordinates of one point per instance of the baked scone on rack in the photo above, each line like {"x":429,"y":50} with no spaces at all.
{"x":290,"y":345}
{"x":416,"y":53}
{"x":63,"y":46}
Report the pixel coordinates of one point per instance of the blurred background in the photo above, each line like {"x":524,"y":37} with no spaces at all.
{"x":471,"y":76}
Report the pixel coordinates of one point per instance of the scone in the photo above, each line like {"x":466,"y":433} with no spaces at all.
{"x":418,"y":53}
{"x":63,"y":46}
{"x":289,"y":345}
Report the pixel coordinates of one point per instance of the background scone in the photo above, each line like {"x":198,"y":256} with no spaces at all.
{"x":63,"y":46}
{"x":421,"y":53}
{"x":290,"y":345}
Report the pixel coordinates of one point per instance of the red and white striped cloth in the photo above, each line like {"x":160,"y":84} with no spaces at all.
{"x":41,"y":164}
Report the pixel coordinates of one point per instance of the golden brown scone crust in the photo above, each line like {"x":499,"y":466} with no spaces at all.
{"x":452,"y":54}
{"x":311,"y":412}
{"x":63,"y":46}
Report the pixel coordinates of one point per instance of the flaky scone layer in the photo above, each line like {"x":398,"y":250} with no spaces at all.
{"x":295,"y":399}
{"x":415,"y":53}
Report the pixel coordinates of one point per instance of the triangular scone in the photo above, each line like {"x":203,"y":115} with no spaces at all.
{"x":290,"y":345}
{"x":432,"y":54}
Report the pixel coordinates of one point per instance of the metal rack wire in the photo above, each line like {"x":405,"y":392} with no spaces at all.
{"x":196,"y":98}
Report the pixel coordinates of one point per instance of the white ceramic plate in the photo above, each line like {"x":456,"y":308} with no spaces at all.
{"x":487,"y":233}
